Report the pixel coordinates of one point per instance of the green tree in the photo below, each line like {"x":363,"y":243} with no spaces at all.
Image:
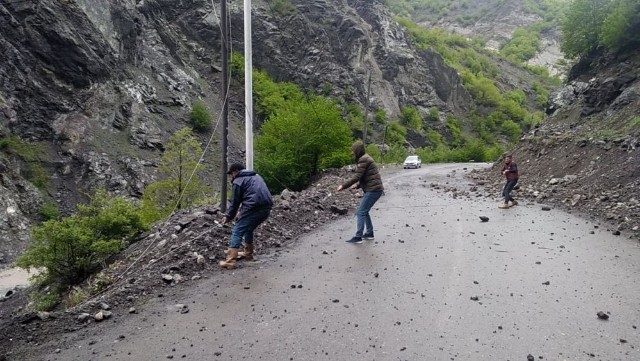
{"x":512,"y":130}
{"x":200,"y":117}
{"x":434,"y":114}
{"x":70,"y":249}
{"x":622,"y":26}
{"x":396,"y":133}
{"x":380,"y":116}
{"x":272,"y":97}
{"x":411,"y":118}
{"x":523,"y":45}
{"x":582,"y":26}
{"x":299,"y":140}
{"x":179,"y":170}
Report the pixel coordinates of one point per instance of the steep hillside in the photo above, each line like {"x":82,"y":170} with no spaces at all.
{"x":586,"y":155}
{"x":494,"y":21}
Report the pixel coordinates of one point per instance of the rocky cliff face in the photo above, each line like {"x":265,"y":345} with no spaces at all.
{"x":101,"y":85}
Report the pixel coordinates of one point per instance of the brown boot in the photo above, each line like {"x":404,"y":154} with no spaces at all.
{"x":503,"y":205}
{"x":247,"y":255}
{"x":230,"y":262}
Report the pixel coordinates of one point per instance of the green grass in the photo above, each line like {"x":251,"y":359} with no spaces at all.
{"x":634,"y":123}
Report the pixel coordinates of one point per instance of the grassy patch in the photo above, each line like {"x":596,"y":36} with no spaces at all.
{"x":634,"y":123}
{"x":29,"y":154}
{"x":43,"y":301}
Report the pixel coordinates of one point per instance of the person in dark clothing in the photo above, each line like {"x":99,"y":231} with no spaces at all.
{"x":368,"y":178}
{"x":510,"y":171}
{"x":252,"y":202}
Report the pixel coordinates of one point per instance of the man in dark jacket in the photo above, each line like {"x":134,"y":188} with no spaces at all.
{"x":510,"y":171}
{"x":368,"y":178}
{"x":252,"y":202}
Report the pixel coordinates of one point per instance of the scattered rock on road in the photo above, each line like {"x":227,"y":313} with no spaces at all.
{"x":602,"y":315}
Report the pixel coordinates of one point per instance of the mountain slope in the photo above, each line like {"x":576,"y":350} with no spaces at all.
{"x":494,"y":21}
{"x":586,"y":155}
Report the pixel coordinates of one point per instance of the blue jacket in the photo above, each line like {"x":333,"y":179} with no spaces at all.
{"x":250,"y":191}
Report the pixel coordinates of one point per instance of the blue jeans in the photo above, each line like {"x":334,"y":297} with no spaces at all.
{"x":362,"y":214}
{"x":506,"y":192}
{"x":245,"y":226}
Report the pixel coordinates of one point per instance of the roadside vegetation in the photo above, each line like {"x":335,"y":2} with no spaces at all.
{"x":67,"y":251}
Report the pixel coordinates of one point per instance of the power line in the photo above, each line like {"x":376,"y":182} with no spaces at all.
{"x":126,"y":272}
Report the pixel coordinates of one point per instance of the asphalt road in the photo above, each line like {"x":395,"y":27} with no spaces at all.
{"x":539,"y":278}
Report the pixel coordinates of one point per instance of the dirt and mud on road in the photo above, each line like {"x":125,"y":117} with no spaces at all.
{"x":437,"y":282}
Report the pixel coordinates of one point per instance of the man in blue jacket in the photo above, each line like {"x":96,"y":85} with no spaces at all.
{"x":252,"y":202}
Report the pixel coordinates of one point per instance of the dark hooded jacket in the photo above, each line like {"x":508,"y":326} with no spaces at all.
{"x":367,"y":174}
{"x":250,"y":191}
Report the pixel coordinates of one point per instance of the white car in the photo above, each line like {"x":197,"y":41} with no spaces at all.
{"x":412,"y":161}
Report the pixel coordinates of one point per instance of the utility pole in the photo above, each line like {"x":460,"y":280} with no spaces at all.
{"x":225,"y":102}
{"x":384,"y":138}
{"x":366,"y":112}
{"x":248,"y":85}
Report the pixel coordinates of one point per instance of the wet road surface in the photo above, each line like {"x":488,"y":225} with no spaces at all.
{"x":435,"y":284}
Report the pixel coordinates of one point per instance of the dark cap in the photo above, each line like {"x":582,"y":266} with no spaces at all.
{"x":235,"y":167}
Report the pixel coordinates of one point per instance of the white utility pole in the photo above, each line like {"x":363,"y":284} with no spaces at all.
{"x":248,"y":85}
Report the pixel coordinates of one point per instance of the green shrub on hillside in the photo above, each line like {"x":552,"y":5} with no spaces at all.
{"x":374,"y":151}
{"x":434,"y":114}
{"x":483,"y":90}
{"x":380,"y":116}
{"x":43,"y":301}
{"x":511,"y":130}
{"x":542,"y":94}
{"x":30,"y":156}
{"x":300,"y":140}
{"x":282,"y":7}
{"x":522,"y":46}
{"x":517,"y":96}
{"x":179,"y":172}
{"x":70,"y":249}
{"x":621,"y":27}
{"x":49,"y":210}
{"x":394,"y":154}
{"x":200,"y":117}
{"x":236,"y":64}
{"x":396,"y":133}
{"x":354,"y":117}
{"x":454,"y":127}
{"x":272,"y":97}
{"x":434,"y":139}
{"x":411,"y":118}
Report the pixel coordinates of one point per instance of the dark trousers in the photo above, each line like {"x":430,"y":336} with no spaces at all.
{"x":506,"y":191}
